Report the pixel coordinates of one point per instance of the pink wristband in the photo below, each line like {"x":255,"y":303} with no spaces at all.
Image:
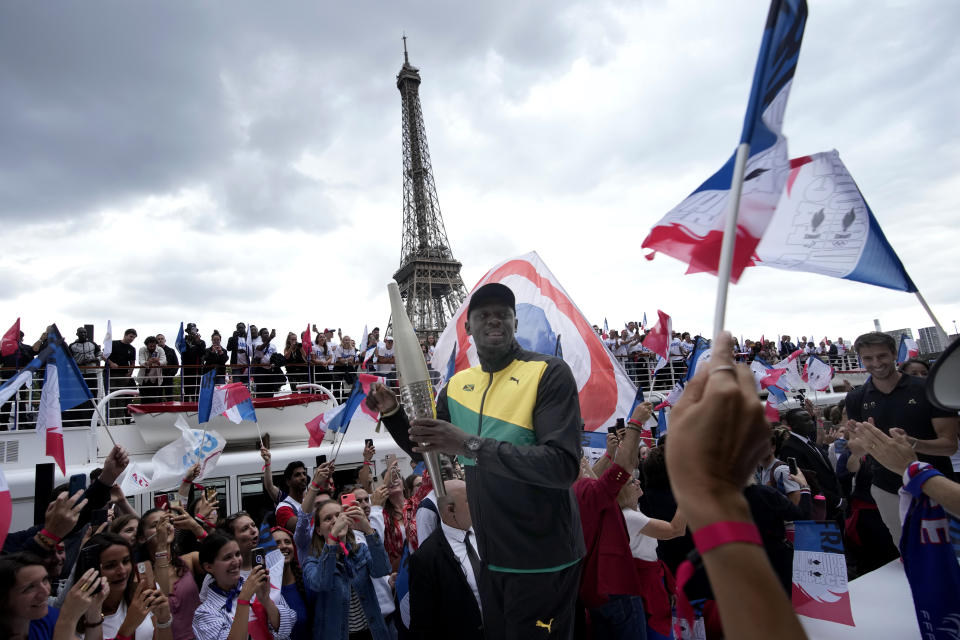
{"x":720,"y":533}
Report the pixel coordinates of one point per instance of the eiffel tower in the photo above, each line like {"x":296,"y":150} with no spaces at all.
{"x":429,"y":275}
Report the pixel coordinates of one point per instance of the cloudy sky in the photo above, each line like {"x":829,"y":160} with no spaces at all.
{"x":223,"y":161}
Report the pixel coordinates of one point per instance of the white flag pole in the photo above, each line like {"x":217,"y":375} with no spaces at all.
{"x":929,"y":311}
{"x":729,"y":236}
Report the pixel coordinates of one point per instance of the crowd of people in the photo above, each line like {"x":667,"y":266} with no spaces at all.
{"x":161,"y":372}
{"x":525,"y":539}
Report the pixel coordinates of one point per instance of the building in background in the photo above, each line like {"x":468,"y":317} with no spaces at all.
{"x":896,"y":333}
{"x":932,"y":340}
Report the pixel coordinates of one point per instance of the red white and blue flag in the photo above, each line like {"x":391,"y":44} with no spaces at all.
{"x":545,"y":312}
{"x":908,"y":349}
{"x":820,"y":573}
{"x":338,"y":418}
{"x":232,"y":401}
{"x":658,"y":340}
{"x":49,"y":424}
{"x":693,"y":231}
{"x":817,"y":374}
{"x":824,"y":225}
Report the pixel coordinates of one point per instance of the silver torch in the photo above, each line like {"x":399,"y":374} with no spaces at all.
{"x":416,"y":391}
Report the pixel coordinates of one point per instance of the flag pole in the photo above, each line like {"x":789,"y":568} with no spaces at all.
{"x":729,"y":236}
{"x":929,"y":311}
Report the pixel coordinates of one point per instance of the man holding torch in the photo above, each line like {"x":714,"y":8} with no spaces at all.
{"x":514,"y":421}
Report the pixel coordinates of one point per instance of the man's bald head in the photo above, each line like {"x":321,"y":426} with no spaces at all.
{"x":453,"y":507}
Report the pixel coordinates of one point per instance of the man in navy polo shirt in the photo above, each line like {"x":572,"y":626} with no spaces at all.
{"x":892,"y":399}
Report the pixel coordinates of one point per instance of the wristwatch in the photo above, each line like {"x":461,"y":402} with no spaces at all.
{"x":471,"y":447}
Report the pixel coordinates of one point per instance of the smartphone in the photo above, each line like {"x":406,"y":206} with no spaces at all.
{"x":621,"y":423}
{"x":90,"y":557}
{"x":78,"y":482}
{"x":368,"y":442}
{"x":348,"y":500}
{"x":653,"y":432}
{"x":173,"y":499}
{"x":145,"y":572}
{"x":210,"y":493}
{"x":321,"y":459}
{"x":160,"y":502}
{"x":260,"y":557}
{"x":98,"y":517}
{"x":792,"y":462}
{"x":612,"y":430}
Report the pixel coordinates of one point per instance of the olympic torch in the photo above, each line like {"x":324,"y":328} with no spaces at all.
{"x":416,"y":391}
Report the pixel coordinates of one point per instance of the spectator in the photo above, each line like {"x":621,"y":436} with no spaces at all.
{"x":263,"y":376}
{"x":322,"y":355}
{"x":893,"y":400}
{"x":328,"y":333}
{"x":16,"y":360}
{"x":445,"y":573}
{"x":192,"y":361}
{"x":232,"y":600}
{"x":293,"y":590}
{"x":216,"y":358}
{"x":786,"y":347}
{"x":346,"y":360}
{"x":86,"y":354}
{"x":126,"y":527}
{"x":296,"y":362}
{"x":237,"y":346}
{"x":296,"y":478}
{"x":131,"y":609}
{"x":610,"y":587}
{"x":341,"y":570}
{"x":811,"y":458}
{"x":24,"y":589}
{"x":915,"y":367}
{"x":152,"y":359}
{"x":122,"y":359}
{"x":386,"y":364}
{"x":169,"y":371}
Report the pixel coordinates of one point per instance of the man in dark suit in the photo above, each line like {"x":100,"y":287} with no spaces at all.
{"x":802,"y":445}
{"x":444,"y":600}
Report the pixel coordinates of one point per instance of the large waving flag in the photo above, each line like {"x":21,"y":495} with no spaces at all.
{"x":545,"y":311}
{"x":658,"y":340}
{"x":339,"y":418}
{"x":73,"y":390}
{"x":11,"y":340}
{"x":693,"y":231}
{"x":205,"y":399}
{"x":823,"y":225}
{"x":908,"y":349}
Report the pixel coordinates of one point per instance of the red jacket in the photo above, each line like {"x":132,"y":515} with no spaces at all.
{"x":608,"y":568}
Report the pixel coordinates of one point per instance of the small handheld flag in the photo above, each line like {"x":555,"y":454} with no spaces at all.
{"x":11,"y":340}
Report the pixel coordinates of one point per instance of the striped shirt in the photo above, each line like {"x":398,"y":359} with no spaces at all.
{"x":212,"y":621}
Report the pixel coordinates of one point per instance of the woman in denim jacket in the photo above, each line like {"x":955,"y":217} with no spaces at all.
{"x":340,"y":569}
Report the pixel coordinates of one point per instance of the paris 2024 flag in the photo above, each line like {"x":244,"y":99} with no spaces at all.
{"x":693,"y":230}
{"x":545,"y":313}
{"x":824,"y":225}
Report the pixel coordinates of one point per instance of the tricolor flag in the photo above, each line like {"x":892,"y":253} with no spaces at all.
{"x":6,"y":508}
{"x":107,"y":341}
{"x":908,"y":349}
{"x":817,"y":374}
{"x":823,"y":225}
{"x":317,"y":428}
{"x":11,"y":340}
{"x":658,"y":340}
{"x":340,"y":421}
{"x":672,"y":397}
{"x":230,"y":400}
{"x":545,"y":311}
{"x":820,"y":573}
{"x":791,"y":377}
{"x":700,"y":354}
{"x":662,"y":421}
{"x":693,"y":231}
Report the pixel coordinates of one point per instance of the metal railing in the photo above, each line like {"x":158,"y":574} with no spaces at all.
{"x":176,"y":384}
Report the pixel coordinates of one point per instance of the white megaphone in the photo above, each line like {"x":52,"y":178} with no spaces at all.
{"x":943,"y":383}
